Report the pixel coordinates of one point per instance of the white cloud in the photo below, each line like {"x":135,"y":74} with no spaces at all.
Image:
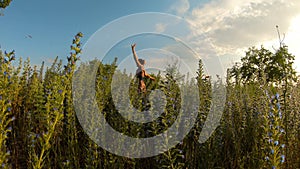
{"x":231,"y":26}
{"x":181,"y":7}
{"x":160,"y":27}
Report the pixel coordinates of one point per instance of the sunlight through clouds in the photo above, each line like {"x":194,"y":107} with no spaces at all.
{"x":293,"y":39}
{"x":232,"y":26}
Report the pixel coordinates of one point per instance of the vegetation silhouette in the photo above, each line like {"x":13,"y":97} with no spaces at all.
{"x":259,"y":128}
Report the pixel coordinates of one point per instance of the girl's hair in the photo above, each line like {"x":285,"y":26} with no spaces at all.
{"x":142,"y":61}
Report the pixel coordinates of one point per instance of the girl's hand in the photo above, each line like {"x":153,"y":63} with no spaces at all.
{"x":133,"y":46}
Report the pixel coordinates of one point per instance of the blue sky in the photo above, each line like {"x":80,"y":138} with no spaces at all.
{"x":52,"y":24}
{"x":229,"y":26}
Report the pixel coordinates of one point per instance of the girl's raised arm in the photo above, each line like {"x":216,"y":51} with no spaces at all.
{"x":135,"y":56}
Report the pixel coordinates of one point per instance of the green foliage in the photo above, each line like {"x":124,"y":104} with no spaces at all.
{"x":4,"y":3}
{"x":262,"y":62}
{"x":6,"y":97}
{"x":274,"y":132}
{"x":39,"y":127}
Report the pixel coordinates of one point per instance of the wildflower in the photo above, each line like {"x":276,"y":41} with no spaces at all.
{"x":12,"y":58}
{"x":272,"y":151}
{"x":282,"y":157}
{"x":271,"y":126}
{"x":277,"y":96}
{"x":9,"y":109}
{"x":13,"y":118}
{"x":270,"y":140}
{"x":229,"y":103}
{"x":0,"y":97}
{"x":9,"y":128}
{"x":55,"y":108}
{"x":280,"y":114}
{"x":270,"y":134}
{"x":282,"y":145}
{"x":271,"y":114}
{"x":273,"y":97}
{"x":267,"y":158}
{"x":267,"y":93}
{"x":272,"y":120}
{"x":5,"y":73}
{"x":45,"y":133}
{"x":273,"y":167}
{"x":276,"y":143}
{"x":278,"y":105}
{"x":60,"y":91}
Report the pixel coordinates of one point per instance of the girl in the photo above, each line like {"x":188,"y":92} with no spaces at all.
{"x":140,"y":72}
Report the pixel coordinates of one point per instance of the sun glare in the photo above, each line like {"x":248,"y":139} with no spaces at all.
{"x":293,"y":40}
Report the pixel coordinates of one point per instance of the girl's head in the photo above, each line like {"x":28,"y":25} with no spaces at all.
{"x":142,"y":61}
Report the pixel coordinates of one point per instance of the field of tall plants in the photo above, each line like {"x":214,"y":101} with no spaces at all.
{"x":259,"y":127}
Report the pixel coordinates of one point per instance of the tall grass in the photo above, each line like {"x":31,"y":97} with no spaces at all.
{"x":39,"y":127}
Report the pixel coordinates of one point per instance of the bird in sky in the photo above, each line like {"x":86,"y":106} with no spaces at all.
{"x":28,"y":36}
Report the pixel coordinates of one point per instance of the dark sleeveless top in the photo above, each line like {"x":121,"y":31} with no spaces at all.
{"x":140,"y":74}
